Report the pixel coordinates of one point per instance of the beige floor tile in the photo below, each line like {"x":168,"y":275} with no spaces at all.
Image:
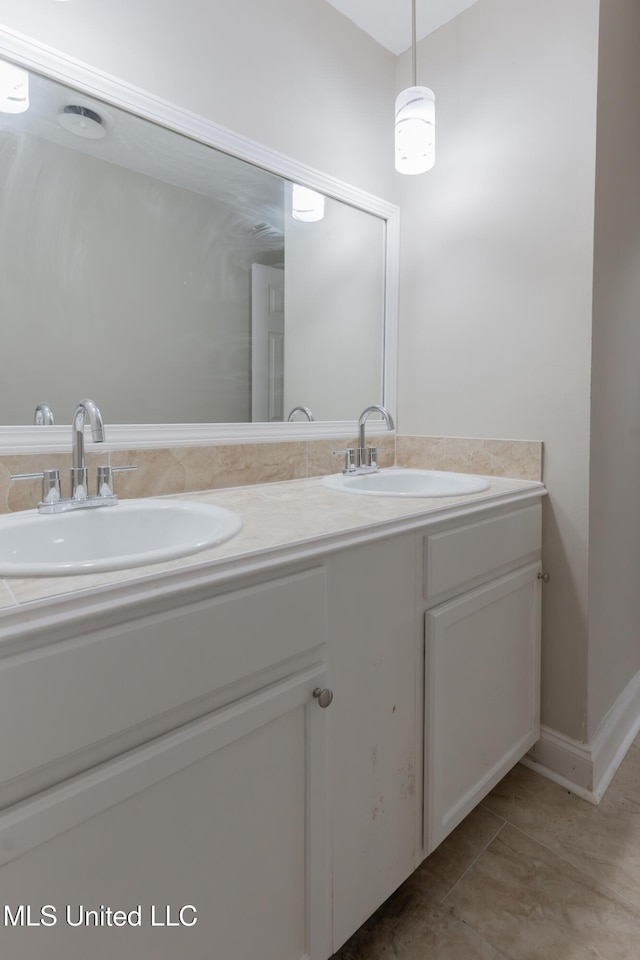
{"x":374,"y":938}
{"x":373,"y":941}
{"x":626,"y":782}
{"x":534,"y":905}
{"x":439,"y":872}
{"x":434,"y":934}
{"x":510,"y":893}
{"x":428,"y":933}
{"x":603,"y":841}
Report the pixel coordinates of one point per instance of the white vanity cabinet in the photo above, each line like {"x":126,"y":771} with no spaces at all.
{"x":482,"y":660}
{"x":178,"y":758}
{"x":434,"y":649}
{"x":211,"y":837}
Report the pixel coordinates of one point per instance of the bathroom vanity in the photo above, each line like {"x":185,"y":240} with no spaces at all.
{"x":173,"y":751}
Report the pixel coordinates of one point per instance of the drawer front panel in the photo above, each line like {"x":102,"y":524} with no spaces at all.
{"x":466,"y":556}
{"x":61,"y":699}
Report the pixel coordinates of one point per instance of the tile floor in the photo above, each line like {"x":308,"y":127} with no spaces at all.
{"x":533,"y":873}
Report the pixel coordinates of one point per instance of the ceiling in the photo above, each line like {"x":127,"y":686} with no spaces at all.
{"x":389,"y":21}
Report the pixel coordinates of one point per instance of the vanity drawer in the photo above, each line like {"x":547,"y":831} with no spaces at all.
{"x":458,"y":559}
{"x":61,"y":699}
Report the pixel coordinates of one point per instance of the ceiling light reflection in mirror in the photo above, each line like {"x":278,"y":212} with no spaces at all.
{"x":14,"y":88}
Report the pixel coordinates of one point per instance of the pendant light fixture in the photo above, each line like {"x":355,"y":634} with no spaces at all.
{"x":415,"y":120}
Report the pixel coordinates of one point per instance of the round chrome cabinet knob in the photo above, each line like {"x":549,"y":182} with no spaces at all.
{"x":324,"y":697}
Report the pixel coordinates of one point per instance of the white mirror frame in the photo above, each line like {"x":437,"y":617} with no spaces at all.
{"x":42,"y":59}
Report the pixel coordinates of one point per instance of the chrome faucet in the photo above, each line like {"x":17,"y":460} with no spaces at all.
{"x":43,"y":415}
{"x":362,"y":459}
{"x":52,"y":501}
{"x":304,"y":410}
{"x":79,"y":473}
{"x":366,"y":457}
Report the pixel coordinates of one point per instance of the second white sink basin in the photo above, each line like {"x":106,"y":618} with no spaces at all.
{"x":131,"y":534}
{"x":405,"y":482}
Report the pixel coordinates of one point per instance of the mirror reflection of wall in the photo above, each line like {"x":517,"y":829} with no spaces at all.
{"x":125,"y":273}
{"x":120,"y":286}
{"x":334,"y":303}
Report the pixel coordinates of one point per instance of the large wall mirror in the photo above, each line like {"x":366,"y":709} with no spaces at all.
{"x":148,"y":264}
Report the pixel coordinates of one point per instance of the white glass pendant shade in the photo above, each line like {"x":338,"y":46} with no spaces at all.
{"x":306,"y":204}
{"x":415,"y":130}
{"x":14,"y":88}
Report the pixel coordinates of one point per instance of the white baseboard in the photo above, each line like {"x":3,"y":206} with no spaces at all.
{"x":614,"y":736}
{"x":565,"y":761}
{"x":587,"y":769}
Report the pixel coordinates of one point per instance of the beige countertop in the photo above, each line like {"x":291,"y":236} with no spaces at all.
{"x":281,"y":521}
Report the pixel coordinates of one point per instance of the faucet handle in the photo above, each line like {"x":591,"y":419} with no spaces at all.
{"x":50,"y":483}
{"x":349,"y":459}
{"x":372,"y":457}
{"x":105,"y":479}
{"x":79,"y":483}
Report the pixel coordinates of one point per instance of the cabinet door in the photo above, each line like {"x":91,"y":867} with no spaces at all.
{"x":482,"y":694}
{"x":222,"y":822}
{"x":375,"y":651}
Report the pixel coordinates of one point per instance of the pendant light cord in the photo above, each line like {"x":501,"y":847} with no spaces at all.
{"x":413,"y":41}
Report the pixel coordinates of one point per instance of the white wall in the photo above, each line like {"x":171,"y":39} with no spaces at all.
{"x":614,"y":541}
{"x":495,"y":299}
{"x":297,"y":77}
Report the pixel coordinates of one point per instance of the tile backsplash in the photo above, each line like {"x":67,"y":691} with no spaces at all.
{"x":183,"y":469}
{"x":519,"y":459}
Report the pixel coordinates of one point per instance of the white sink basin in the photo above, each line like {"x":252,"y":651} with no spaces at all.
{"x":131,"y":534}
{"x":404,"y":482}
